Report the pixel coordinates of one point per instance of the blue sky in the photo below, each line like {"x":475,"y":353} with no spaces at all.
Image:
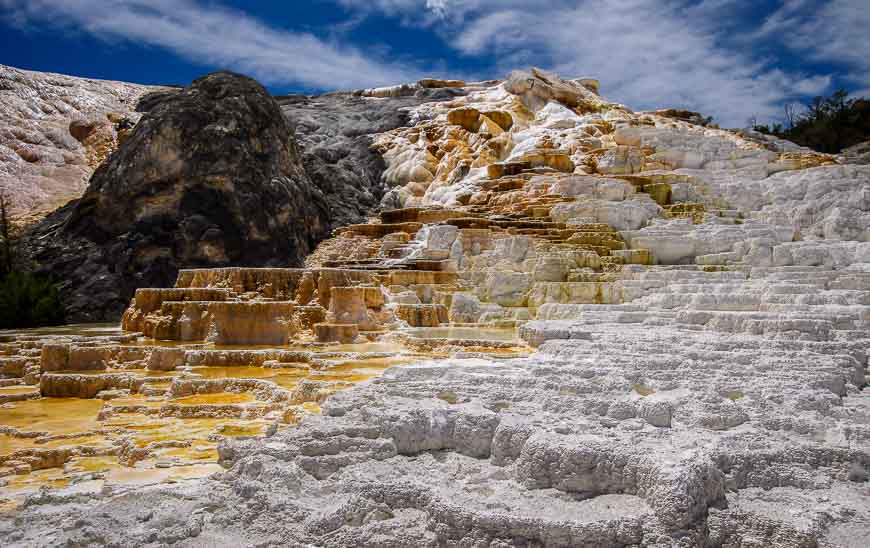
{"x":726,"y":58}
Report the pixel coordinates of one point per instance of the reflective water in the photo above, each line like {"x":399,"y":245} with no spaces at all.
{"x":176,"y":447}
{"x":149,"y":437}
{"x":215,"y":399}
{"x":465,"y":333}
{"x":84,"y":329}
{"x":53,"y":415}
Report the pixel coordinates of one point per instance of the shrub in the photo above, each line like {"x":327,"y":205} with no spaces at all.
{"x":29,"y":300}
{"x":26,"y":299}
{"x":828,"y":124}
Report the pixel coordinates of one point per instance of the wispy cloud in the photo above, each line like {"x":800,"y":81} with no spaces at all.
{"x":647,"y":53}
{"x":719,"y":57}
{"x":212,"y":35}
{"x":836,"y":32}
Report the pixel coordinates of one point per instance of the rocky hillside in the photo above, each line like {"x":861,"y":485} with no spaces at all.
{"x":192,"y":184}
{"x":210,"y":176}
{"x":54,"y":131}
{"x":335,"y":133}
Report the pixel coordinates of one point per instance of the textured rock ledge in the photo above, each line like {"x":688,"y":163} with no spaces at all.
{"x":54,"y":131}
{"x":634,"y":436}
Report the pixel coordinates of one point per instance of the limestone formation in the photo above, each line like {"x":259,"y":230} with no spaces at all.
{"x":616,"y":329}
{"x":332,"y":178}
{"x":857,"y":154}
{"x":335,"y":132}
{"x":54,"y":131}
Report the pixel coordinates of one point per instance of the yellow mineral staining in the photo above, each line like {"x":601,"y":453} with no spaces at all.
{"x":9,"y":444}
{"x":734,"y":395}
{"x":804,"y":160}
{"x":215,"y":399}
{"x":694,"y":211}
{"x":53,"y":415}
{"x":448,"y":396}
{"x":466,"y":117}
{"x":659,"y":190}
{"x":150,"y":475}
{"x":344,"y":376}
{"x":240,"y":372}
{"x":237,"y":430}
{"x":23,"y":483}
{"x":142,"y":434}
{"x":311,"y":407}
{"x":440,"y":83}
{"x":15,"y":390}
{"x":148,"y":413}
{"x":372,"y":366}
{"x":92,"y":464}
{"x":642,"y":389}
{"x":193,"y":453}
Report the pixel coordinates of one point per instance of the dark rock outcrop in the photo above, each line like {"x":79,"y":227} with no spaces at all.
{"x":334,"y":132}
{"x":218,"y":174}
{"x":209,"y":177}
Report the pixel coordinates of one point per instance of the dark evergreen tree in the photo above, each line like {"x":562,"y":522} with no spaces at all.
{"x":26,"y":299}
{"x":829,"y":124}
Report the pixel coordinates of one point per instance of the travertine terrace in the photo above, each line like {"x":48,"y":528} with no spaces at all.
{"x":614,"y":329}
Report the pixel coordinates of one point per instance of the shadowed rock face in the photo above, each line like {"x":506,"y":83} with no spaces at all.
{"x":209,"y":177}
{"x":334,"y":133}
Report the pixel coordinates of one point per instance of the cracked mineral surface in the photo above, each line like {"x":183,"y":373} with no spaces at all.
{"x":571,"y":324}
{"x":54,"y":131}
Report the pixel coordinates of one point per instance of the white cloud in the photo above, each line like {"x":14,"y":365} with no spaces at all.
{"x":704,"y":55}
{"x":647,"y":53}
{"x":218,"y":37}
{"x":837,"y":32}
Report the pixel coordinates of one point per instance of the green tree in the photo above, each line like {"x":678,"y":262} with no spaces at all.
{"x":26,"y":299}
{"x":828,"y":124}
{"x":6,"y":258}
